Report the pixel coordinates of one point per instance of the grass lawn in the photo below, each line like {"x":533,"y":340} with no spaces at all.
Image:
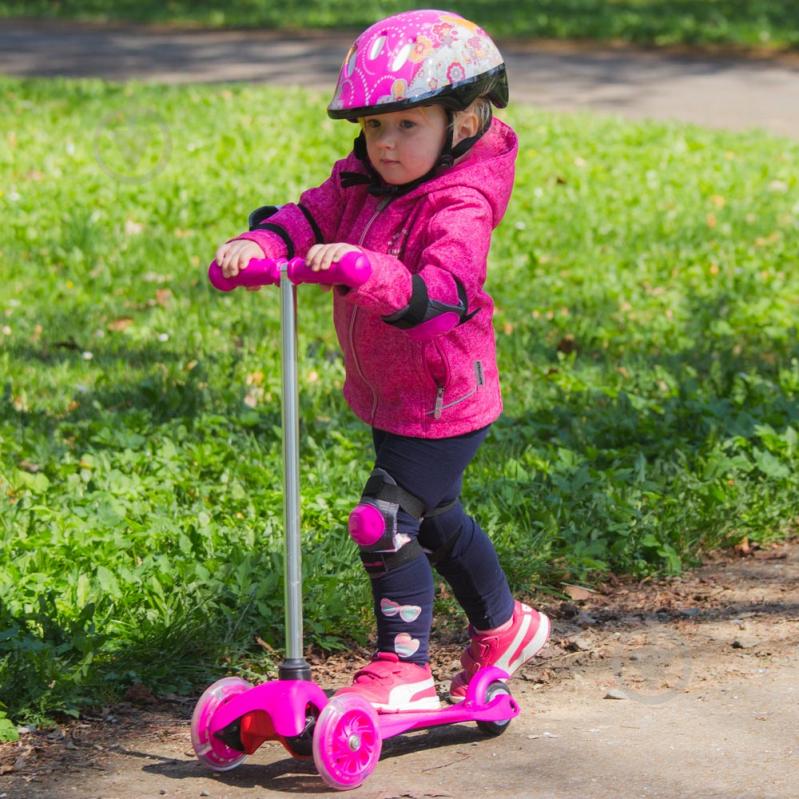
{"x":769,"y":24}
{"x":646,"y":282}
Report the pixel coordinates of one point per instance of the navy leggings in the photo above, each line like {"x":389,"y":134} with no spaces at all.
{"x":432,"y":470}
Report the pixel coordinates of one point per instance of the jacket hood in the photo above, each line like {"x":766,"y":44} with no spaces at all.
{"x":488,"y":167}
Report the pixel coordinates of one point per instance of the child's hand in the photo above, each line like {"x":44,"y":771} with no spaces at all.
{"x":233,"y":256}
{"x":321,"y":256}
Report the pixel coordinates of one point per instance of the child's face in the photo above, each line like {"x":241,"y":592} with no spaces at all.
{"x":404,"y":145}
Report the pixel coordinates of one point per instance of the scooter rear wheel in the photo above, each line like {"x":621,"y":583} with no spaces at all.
{"x":347,"y":742}
{"x":209,"y":749}
{"x":495,"y":728}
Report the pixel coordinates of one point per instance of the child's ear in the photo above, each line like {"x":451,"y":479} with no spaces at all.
{"x":467,"y":124}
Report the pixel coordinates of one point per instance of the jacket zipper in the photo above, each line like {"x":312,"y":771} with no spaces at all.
{"x":439,"y":407}
{"x":380,"y":207}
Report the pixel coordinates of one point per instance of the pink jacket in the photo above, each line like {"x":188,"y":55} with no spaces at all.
{"x":400,"y":380}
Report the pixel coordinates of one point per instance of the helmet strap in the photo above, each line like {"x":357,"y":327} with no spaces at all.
{"x":449,"y":154}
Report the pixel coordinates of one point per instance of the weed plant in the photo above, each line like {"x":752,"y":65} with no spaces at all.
{"x":646,"y":284}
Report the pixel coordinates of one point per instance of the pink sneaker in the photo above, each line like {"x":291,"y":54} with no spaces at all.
{"x":508,"y":649}
{"x":391,"y":684}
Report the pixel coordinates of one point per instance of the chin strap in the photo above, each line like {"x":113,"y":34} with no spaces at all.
{"x":377,"y":186}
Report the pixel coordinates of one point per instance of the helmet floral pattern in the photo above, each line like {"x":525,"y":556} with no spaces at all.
{"x":412,"y":55}
{"x":421,"y":49}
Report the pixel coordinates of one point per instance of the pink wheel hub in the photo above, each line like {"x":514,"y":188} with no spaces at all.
{"x":347,"y":742}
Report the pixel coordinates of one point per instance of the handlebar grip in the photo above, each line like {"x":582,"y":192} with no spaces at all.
{"x":352,"y":270}
{"x":259,"y":272}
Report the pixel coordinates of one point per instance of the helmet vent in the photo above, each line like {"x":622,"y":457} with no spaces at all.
{"x":377,"y":46}
{"x":401,"y":57}
{"x":352,"y":60}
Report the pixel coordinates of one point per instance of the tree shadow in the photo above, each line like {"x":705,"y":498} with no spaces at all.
{"x":147,"y":379}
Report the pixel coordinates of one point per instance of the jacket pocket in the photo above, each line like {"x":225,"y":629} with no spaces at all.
{"x":440,"y":406}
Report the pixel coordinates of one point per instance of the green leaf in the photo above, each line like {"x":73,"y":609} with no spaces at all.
{"x":770,"y":466}
{"x":108,"y":582}
{"x":8,"y":730}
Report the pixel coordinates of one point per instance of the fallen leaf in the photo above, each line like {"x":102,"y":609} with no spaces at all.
{"x":118,"y":325}
{"x":578,"y":592}
{"x":744,"y":548}
{"x":567,"y":344}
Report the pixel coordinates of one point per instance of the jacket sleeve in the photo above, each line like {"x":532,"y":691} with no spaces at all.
{"x":295,"y":227}
{"x":451,"y":271}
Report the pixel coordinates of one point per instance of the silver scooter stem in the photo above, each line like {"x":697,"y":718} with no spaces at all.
{"x":294,"y":667}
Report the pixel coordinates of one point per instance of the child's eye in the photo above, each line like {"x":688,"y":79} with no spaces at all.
{"x":372,"y":123}
{"x":407,"y":124}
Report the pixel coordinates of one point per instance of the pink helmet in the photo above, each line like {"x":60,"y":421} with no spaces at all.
{"x":419,"y":57}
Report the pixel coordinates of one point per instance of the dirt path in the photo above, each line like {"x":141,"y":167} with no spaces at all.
{"x":706,"y":668}
{"x":710,"y":90}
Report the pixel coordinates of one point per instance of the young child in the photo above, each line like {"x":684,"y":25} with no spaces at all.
{"x":428,"y":180}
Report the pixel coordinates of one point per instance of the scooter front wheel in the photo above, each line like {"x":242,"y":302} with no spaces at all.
{"x":209,"y":749}
{"x":346,"y":742}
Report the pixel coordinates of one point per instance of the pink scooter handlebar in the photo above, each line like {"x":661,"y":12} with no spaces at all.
{"x":352,"y":270}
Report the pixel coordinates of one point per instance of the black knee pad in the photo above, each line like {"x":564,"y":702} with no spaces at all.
{"x":378,"y":563}
{"x":373,"y":521}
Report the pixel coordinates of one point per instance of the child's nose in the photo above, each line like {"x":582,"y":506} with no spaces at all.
{"x":387,"y":138}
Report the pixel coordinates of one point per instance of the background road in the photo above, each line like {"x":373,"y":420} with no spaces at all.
{"x":717,"y":92}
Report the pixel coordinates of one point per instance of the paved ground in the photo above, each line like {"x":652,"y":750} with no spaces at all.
{"x":713,"y":91}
